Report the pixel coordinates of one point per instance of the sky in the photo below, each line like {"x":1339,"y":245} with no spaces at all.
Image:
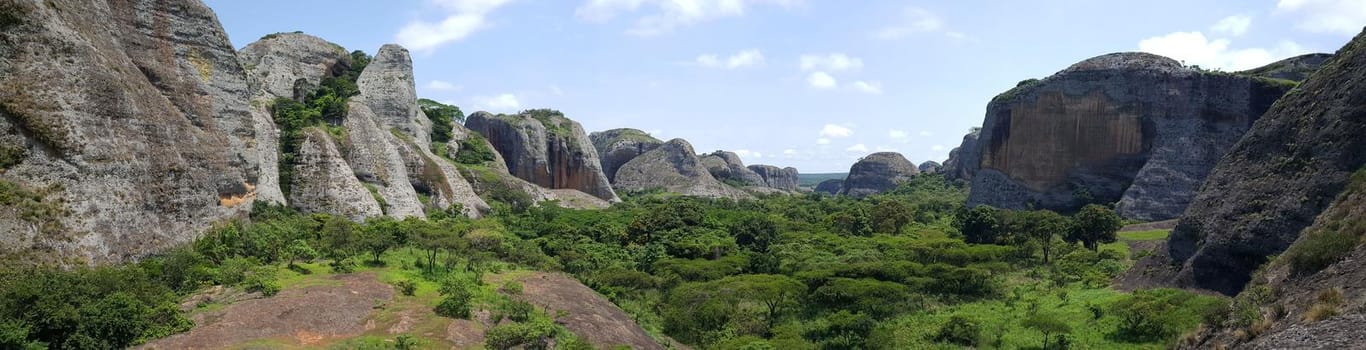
{"x":813,"y":84}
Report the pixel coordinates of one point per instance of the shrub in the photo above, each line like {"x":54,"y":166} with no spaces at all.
{"x":474,"y":150}
{"x":1319,"y":250}
{"x":959,"y":330}
{"x":456,"y":300}
{"x":518,"y":310}
{"x":1325,"y":305}
{"x":532,"y":335}
{"x":407,"y":287}
{"x":1164,"y":313}
{"x":512,"y":287}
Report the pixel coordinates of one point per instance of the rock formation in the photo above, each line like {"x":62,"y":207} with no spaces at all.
{"x":618,"y":146}
{"x":673,"y":167}
{"x":877,"y":173}
{"x":727,"y":166}
{"x":1296,"y":68}
{"x":129,"y":120}
{"x":779,"y":178}
{"x":831,"y":186}
{"x":387,"y":86}
{"x":546,"y":149}
{"x":930,"y":167}
{"x":323,"y":182}
{"x":284,"y":65}
{"x":962,"y":161}
{"x":1278,"y":178}
{"x":1135,"y":128}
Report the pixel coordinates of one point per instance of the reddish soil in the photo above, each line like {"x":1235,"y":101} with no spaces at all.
{"x":304,"y":316}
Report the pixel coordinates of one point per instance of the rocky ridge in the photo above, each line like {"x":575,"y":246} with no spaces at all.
{"x":545,"y":148}
{"x":673,"y":167}
{"x":877,"y":173}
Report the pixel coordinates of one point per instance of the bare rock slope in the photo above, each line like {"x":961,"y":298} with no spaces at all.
{"x":673,"y":167}
{"x":545,"y":148}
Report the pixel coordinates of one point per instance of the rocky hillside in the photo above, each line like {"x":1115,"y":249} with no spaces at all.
{"x":777,"y":178}
{"x":876,"y":173}
{"x":1134,"y":128}
{"x":618,"y":146}
{"x":122,"y":128}
{"x":957,"y":166}
{"x":1295,"y":68}
{"x":727,"y":166}
{"x":830,"y":187}
{"x":673,"y":167}
{"x":1277,"y":179}
{"x":547,"y":149}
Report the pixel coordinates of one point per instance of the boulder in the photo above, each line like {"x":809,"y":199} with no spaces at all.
{"x":128,"y":120}
{"x":1277,"y":179}
{"x":1133,"y":128}
{"x":618,"y":146}
{"x":831,"y":186}
{"x":957,"y":167}
{"x":930,"y":167}
{"x":545,"y":148}
{"x":673,"y":167}
{"x":323,"y":182}
{"x":724,"y":165}
{"x":877,"y":173}
{"x":779,"y":178}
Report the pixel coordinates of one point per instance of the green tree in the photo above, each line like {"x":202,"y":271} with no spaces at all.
{"x":299,"y":250}
{"x":377,"y":236}
{"x":959,"y":330}
{"x":1041,"y":227}
{"x":1047,"y":323}
{"x":1093,"y":225}
{"x":755,"y":232}
{"x":890,"y":215}
{"x":852,"y":221}
{"x":980,"y":224}
{"x":442,"y":116}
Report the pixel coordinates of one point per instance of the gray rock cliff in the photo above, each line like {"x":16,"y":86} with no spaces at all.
{"x":618,"y":146}
{"x":962,"y":159}
{"x":930,"y":167}
{"x":323,"y":182}
{"x":831,"y":186}
{"x":725,"y":165}
{"x":673,"y":167}
{"x":877,"y":173}
{"x":779,"y":178}
{"x":545,"y":148}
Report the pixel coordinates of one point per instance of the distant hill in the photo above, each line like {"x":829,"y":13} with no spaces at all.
{"x":810,"y":180}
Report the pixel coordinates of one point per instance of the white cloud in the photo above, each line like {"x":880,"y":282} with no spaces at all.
{"x":744,"y":153}
{"x":441,"y":85}
{"x":830,"y":62}
{"x":665,"y":15}
{"x":1344,"y":17}
{"x":857,"y":148}
{"x":897,"y":134}
{"x":746,"y":58}
{"x":821,"y":80}
{"x":789,"y":152}
{"x":500,"y":103}
{"x":924,"y":133}
{"x":1233,"y":25}
{"x":914,"y":20}
{"x":822,"y":141}
{"x":1194,"y":48}
{"x":937,"y":148}
{"x":834,"y":130}
{"x":871,"y":87}
{"x":463,"y":17}
{"x":654,"y":132}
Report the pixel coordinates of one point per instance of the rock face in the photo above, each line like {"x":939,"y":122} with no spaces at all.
{"x":877,"y":173}
{"x":387,"y":86}
{"x":1296,"y":68}
{"x":546,"y":149}
{"x":129,"y":118}
{"x":1278,"y":178}
{"x":618,"y":146}
{"x":962,"y":159}
{"x":930,"y":167}
{"x":285,"y":65}
{"x":323,"y":182}
{"x":373,"y":155}
{"x":673,"y":167}
{"x":774,"y":177}
{"x":831,"y":186}
{"x":1135,"y":128}
{"x":725,"y":165}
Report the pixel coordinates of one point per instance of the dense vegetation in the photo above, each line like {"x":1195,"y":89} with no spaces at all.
{"x":442,"y":116}
{"x":911,"y":268}
{"x":324,"y":107}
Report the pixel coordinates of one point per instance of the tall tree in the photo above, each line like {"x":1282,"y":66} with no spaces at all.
{"x":1094,"y":224}
{"x":1042,"y":227}
{"x":980,"y":224}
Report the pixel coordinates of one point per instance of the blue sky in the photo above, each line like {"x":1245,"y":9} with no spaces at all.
{"x":813,"y":84}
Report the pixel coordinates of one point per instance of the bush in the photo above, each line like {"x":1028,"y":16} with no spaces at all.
{"x":1164,"y":313}
{"x":456,"y":300}
{"x":532,"y":335}
{"x":407,"y":287}
{"x":512,"y":287}
{"x":474,"y":150}
{"x":959,"y":330}
{"x":1319,"y":250}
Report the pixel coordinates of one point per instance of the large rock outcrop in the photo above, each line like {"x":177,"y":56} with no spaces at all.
{"x":128,"y":120}
{"x":779,"y":178}
{"x":387,"y":86}
{"x":831,"y":186}
{"x":1278,"y":178}
{"x":963,"y":160}
{"x":1296,"y":68}
{"x":877,"y":173}
{"x":1133,"y":128}
{"x":673,"y":167}
{"x":727,"y":166}
{"x":546,"y":149}
{"x":283,"y":65}
{"x":930,"y":167}
{"x":373,"y":155}
{"x":618,"y":146}
{"x":324,"y":182}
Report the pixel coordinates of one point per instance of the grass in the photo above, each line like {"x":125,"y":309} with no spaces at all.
{"x":1136,"y":236}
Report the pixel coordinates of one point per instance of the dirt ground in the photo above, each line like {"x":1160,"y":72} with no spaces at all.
{"x":304,"y":316}
{"x":585,"y":313}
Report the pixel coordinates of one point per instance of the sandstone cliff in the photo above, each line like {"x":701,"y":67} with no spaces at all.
{"x":1133,"y":128}
{"x":618,"y":146}
{"x":323,"y":182}
{"x":877,"y":173}
{"x":673,"y":167}
{"x":128,"y":119}
{"x":963,"y":159}
{"x":1278,"y":178}
{"x":546,"y":149}
{"x":779,"y":178}
{"x":727,"y":166}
